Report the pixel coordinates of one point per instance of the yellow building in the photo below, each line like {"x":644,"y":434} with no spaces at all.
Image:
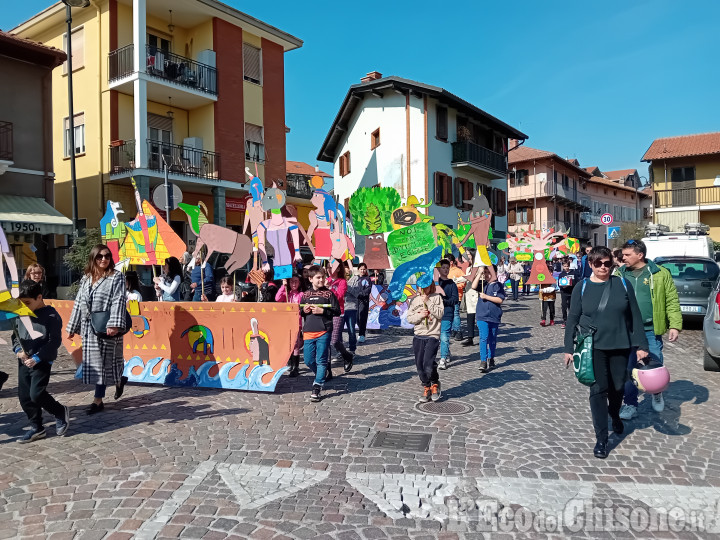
{"x":685,"y":175}
{"x":157,"y":83}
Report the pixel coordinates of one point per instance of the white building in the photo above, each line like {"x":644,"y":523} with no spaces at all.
{"x":423,"y":141}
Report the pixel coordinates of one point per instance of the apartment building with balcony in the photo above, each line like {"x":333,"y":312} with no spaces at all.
{"x":685,"y":176}
{"x":421,"y":140}
{"x":192,"y":85}
{"x":548,"y":191}
{"x":27,"y":179}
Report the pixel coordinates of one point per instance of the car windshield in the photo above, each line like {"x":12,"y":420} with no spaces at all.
{"x":691,"y":269}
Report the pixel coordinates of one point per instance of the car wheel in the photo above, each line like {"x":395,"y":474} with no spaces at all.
{"x":710,"y":363}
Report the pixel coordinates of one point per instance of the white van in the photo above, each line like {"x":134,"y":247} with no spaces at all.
{"x":693,"y":242}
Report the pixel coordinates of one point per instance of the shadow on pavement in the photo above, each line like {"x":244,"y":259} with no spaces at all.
{"x":494,"y":379}
{"x":668,"y":421}
{"x":145,"y":409}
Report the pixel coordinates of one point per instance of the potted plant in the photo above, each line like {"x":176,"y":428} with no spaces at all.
{"x":464,"y":134}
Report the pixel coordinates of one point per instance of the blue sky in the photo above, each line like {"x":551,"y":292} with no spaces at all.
{"x":597,"y":81}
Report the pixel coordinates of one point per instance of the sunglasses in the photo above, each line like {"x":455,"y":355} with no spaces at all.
{"x":606,"y":264}
{"x":101,"y":256}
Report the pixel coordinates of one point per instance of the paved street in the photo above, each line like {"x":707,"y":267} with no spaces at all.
{"x":165,"y":462}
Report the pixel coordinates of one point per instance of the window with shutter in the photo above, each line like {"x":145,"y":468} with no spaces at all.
{"x":501,"y":203}
{"x":443,"y":189}
{"x":469,"y":189}
{"x":345,"y":164}
{"x":252,"y":66}
{"x":78,"y":49}
{"x":442,"y":123}
{"x":458,"y":191}
{"x":530,"y":216}
{"x":375,"y":139}
{"x":79,"y":124}
{"x":254,"y":145}
{"x":511,"y":217}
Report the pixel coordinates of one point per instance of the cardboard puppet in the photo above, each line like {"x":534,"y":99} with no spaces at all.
{"x":372,"y":209}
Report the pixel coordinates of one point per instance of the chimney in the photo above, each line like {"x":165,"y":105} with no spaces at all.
{"x":317,"y":168}
{"x":372,"y":76}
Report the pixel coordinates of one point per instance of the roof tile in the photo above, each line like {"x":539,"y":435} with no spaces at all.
{"x":683,"y":146}
{"x":299,"y":167}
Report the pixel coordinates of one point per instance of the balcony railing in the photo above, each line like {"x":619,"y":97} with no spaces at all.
{"x":122,"y":157}
{"x":183,"y":159}
{"x":120,"y":63}
{"x":6,"y":141}
{"x":548,"y":189}
{"x":297,"y":186}
{"x":164,"y":65}
{"x":687,"y":197}
{"x":466,"y":151}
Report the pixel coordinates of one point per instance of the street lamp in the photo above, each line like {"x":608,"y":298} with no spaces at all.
{"x":73,"y":176}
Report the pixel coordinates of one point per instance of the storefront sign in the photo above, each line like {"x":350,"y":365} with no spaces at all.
{"x":21,"y":227}
{"x":234,"y":205}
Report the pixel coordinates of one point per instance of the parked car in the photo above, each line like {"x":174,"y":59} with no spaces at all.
{"x":694,"y":278}
{"x":711,"y":331}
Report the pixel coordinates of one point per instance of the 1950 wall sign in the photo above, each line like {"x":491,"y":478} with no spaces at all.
{"x":21,"y":227}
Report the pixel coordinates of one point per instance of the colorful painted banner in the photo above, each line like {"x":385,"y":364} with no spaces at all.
{"x":233,"y":346}
{"x":396,"y":312}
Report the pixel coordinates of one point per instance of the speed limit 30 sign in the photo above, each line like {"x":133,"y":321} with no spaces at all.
{"x":606,"y":219}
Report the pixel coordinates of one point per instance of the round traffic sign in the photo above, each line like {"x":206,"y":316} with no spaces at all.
{"x":159,"y":196}
{"x":606,"y":219}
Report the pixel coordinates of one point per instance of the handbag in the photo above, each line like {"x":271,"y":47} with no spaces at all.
{"x":583,"y":355}
{"x":99,"y":319}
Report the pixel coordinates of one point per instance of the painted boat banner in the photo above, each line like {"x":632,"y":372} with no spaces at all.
{"x":232,"y":346}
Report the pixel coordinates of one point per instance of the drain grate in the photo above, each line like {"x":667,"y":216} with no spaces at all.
{"x":393,"y":440}
{"x":445,"y":408}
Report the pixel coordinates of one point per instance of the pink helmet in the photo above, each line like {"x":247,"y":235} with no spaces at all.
{"x":652,"y":379}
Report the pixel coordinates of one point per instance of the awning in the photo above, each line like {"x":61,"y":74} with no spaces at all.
{"x":28,"y":215}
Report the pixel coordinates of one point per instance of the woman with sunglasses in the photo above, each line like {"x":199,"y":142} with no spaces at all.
{"x":619,"y":329}
{"x":102,"y":288}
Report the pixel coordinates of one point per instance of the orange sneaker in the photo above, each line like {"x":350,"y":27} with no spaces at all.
{"x":425,"y":395}
{"x":435,"y":392}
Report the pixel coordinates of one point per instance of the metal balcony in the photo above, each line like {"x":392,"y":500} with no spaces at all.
{"x":166,"y":66}
{"x":298,"y":186}
{"x":480,"y":159}
{"x":182,"y":160}
{"x":668,"y":198}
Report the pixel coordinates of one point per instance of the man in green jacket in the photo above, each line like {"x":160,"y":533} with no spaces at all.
{"x":660,"y":308}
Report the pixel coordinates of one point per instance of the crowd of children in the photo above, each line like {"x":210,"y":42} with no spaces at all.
{"x":328,"y":306}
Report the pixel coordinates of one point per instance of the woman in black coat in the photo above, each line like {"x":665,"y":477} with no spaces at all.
{"x":619,"y":330}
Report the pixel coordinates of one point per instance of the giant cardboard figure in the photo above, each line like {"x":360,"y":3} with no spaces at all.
{"x":372,"y":210}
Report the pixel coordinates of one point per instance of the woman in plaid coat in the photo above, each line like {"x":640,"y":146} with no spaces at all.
{"x":102,"y":358}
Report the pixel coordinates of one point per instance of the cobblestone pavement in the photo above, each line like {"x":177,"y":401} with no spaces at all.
{"x":164,"y":462}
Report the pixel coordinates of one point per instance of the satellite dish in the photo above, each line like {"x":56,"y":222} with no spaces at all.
{"x":159,"y":196}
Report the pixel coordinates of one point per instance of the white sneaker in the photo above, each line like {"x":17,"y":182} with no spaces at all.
{"x":361,"y":339}
{"x":628,"y":412}
{"x":658,"y":403}
{"x":442,"y":364}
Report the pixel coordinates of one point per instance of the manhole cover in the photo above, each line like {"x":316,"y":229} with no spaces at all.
{"x":445,"y":408}
{"x":393,"y":440}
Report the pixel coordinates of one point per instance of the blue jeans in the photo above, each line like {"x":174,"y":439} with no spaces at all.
{"x":100,"y":391}
{"x":488,"y":339}
{"x":656,"y":355}
{"x":350,"y":320}
{"x":456,"y":319}
{"x":445,"y":327}
{"x":315,"y":353}
{"x":514,"y":285}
